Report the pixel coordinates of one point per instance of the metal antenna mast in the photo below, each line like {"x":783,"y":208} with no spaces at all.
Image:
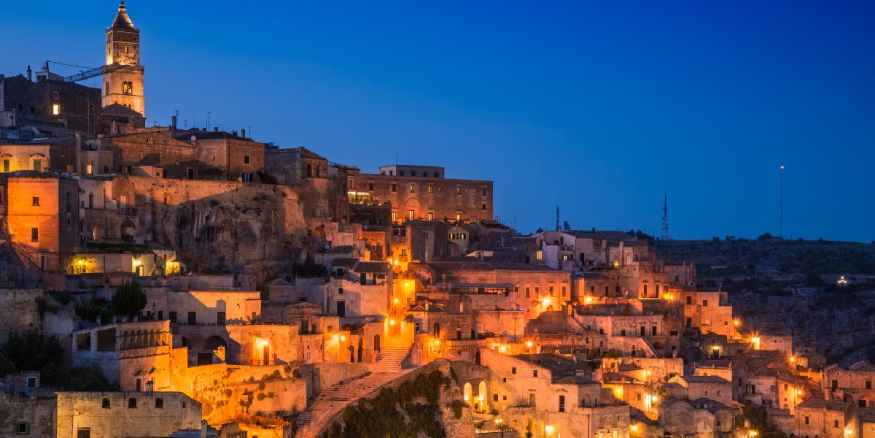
{"x":781,"y":201}
{"x":665,"y":235}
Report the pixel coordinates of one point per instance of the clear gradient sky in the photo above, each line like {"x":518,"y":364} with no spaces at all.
{"x":598,"y":108}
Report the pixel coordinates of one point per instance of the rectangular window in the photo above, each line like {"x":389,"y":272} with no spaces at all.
{"x":34,"y":234}
{"x":83,"y":433}
{"x":394,"y":187}
{"x":192,"y":318}
{"x":56,"y":109}
{"x":704,"y":303}
{"x":458,"y":190}
{"x":159,"y":403}
{"x":172,"y":316}
{"x":35,"y":201}
{"x":458,"y":216}
{"x":513,"y":370}
{"x":411,"y":214}
{"x":430,"y":215}
{"x":6,"y":165}
{"x":429,"y":188}
{"x":246,"y":159}
{"x":412,"y":188}
{"x":104,"y":404}
{"x":561,"y":403}
{"x":22,"y":428}
{"x":371,"y":186}
{"x":535,"y":373}
{"x":220,"y":318}
{"x":132,"y":403}
{"x":127,"y":88}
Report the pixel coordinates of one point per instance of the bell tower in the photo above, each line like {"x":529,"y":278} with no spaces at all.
{"x":123,"y":74}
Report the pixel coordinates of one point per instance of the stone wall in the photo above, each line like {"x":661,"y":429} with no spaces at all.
{"x":117,"y":414}
{"x":216,"y":226}
{"x":19,"y":311}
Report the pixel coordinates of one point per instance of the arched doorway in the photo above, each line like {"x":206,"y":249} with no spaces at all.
{"x":467,"y":393}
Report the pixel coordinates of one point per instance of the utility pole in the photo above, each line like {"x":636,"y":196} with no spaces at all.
{"x":557,"y":218}
{"x":781,"y":201}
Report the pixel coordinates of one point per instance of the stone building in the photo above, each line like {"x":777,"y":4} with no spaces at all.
{"x":123,"y":73}
{"x":852,"y":383}
{"x":531,"y":288}
{"x":42,"y":217}
{"x":49,"y":103}
{"x":709,"y":311}
{"x":25,"y":157}
{"x":122,"y":414}
{"x":422,"y":192}
{"x":237,"y":157}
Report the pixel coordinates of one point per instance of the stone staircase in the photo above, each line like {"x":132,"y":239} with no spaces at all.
{"x":391,"y":359}
{"x":331,"y":401}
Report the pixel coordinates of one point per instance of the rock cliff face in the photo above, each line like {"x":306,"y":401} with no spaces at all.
{"x":214,"y":226}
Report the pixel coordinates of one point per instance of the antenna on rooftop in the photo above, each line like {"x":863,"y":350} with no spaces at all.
{"x":557,"y":218}
{"x":781,"y":201}
{"x":665,"y":235}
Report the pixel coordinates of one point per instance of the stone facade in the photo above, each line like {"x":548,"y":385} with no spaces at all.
{"x":43,"y":217}
{"x":418,"y":194}
{"x":123,"y":85}
{"x":121,"y":414}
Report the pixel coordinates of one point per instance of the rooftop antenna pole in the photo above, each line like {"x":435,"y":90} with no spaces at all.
{"x":781,"y":201}
{"x":665,"y":235}
{"x":207,"y":126}
{"x":557,"y":218}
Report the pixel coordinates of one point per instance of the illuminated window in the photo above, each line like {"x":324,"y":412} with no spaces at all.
{"x":539,"y":255}
{"x":56,"y":109}
{"x":430,"y":215}
{"x":412,"y":188}
{"x":429,"y":188}
{"x":458,"y":190}
{"x":89,"y":168}
{"x":458,"y":216}
{"x":35,"y":201}
{"x":6,"y":165}
{"x":411,"y":214}
{"x":127,"y":88}
{"x":394,"y":216}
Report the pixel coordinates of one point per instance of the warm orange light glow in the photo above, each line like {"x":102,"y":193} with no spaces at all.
{"x":502,"y":348}
{"x":587,"y":299}
{"x":634,"y":428}
{"x":668,"y":296}
{"x":545,"y":302}
{"x":395,"y":301}
{"x":736,"y":322}
{"x":392,"y":322}
{"x":549,"y":429}
{"x":755,"y":342}
{"x":261,"y":342}
{"x":530,"y":344}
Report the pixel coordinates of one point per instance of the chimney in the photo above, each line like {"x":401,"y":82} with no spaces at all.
{"x":173,"y":122}
{"x":29,"y":74}
{"x":242,"y":133}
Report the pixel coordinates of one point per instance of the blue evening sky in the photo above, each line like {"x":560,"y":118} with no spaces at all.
{"x":600,"y":108}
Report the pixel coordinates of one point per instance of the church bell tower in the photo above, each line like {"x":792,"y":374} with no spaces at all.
{"x":123,"y":74}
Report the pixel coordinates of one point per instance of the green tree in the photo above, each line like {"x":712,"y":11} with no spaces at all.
{"x":129,"y":300}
